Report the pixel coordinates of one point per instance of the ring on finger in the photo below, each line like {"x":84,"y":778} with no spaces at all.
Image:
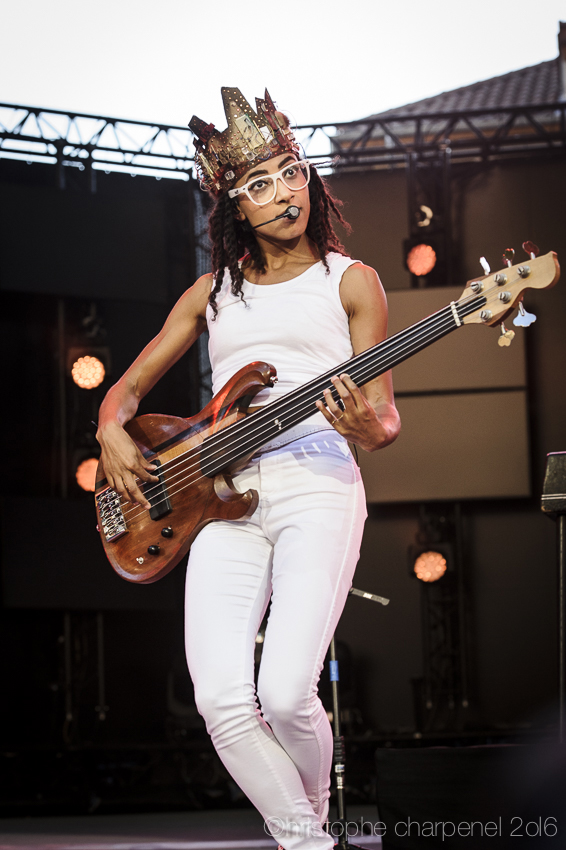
{"x":338,"y":418}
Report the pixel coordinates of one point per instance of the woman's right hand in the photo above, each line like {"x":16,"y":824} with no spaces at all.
{"x":124,"y":463}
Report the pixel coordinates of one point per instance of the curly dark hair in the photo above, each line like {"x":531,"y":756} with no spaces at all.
{"x":232,"y":239}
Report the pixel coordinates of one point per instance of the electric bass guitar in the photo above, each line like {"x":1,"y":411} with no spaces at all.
{"x":194,"y":456}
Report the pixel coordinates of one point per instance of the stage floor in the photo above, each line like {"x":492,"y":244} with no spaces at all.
{"x":210,"y":830}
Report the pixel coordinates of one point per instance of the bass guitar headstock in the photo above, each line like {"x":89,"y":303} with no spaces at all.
{"x":497,"y":294}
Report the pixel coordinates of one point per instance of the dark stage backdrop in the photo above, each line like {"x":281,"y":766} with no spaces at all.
{"x":76,"y":243}
{"x":128,"y":249}
{"x":124,"y":255}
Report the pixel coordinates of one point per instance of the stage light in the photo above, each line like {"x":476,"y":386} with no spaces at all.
{"x":88,"y":365}
{"x":424,"y":256}
{"x":430,"y":566}
{"x":88,"y":372}
{"x":86,"y":474}
{"x":421,"y":259}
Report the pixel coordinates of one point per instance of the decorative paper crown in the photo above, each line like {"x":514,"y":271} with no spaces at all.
{"x":250,"y":137}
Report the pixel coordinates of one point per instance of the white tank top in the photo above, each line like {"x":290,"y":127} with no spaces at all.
{"x":299,"y":326}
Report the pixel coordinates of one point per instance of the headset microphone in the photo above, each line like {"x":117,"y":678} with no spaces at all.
{"x":291,"y":212}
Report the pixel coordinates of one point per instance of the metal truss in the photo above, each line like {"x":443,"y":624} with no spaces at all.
{"x":471,"y":135}
{"x":94,"y":142}
{"x":100,"y":143}
{"x":442,"y":682}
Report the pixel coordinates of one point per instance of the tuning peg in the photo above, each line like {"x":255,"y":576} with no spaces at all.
{"x":531,"y":249}
{"x":508,"y":256}
{"x":523,"y":319}
{"x":506,"y":337}
{"x":485,"y":265}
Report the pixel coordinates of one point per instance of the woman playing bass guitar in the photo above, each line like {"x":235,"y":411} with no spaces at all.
{"x":296,"y":300}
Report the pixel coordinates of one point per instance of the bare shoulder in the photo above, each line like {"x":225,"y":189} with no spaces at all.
{"x":361,"y":287}
{"x":200,"y":290}
{"x":195,"y":299}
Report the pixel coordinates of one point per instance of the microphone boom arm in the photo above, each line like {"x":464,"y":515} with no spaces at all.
{"x":291,"y":212}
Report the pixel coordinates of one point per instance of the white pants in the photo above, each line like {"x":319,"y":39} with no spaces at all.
{"x":300,"y":547}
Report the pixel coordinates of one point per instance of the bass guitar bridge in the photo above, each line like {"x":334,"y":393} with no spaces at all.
{"x":112,"y":519}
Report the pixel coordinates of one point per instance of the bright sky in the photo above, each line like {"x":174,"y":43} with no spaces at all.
{"x":322,"y":60}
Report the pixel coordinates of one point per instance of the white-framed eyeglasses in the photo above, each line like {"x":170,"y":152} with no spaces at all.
{"x":263,"y":188}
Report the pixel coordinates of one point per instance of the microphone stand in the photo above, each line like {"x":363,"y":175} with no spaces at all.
{"x":339,"y":756}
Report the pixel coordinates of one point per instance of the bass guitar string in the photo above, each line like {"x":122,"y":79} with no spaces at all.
{"x":266,"y":416}
{"x":441,"y":327}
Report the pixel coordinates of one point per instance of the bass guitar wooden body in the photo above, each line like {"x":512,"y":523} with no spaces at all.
{"x":143,"y":546}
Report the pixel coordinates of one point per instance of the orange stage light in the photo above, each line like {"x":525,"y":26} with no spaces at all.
{"x":86,"y":474}
{"x":88,"y":372}
{"x":430,"y":566}
{"x":421,"y":259}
